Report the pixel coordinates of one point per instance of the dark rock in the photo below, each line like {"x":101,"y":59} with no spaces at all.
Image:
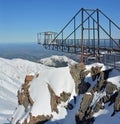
{"x":75,"y":99}
{"x":80,"y":119}
{"x":105,"y":99}
{"x":69,"y":106}
{"x":106,"y":73}
{"x":117,"y":103}
{"x":112,"y":98}
{"x":77,"y":118}
{"x":93,"y":77}
{"x":83,"y":87}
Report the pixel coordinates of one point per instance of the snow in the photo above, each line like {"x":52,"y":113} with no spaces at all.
{"x":60,"y":80}
{"x":104,"y":116}
{"x":57,"y":61}
{"x":12,"y":75}
{"x":97,"y":97}
{"x":115,"y":78}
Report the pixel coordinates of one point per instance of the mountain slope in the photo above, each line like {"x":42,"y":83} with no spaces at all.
{"x":47,"y":82}
{"x":12,"y":75}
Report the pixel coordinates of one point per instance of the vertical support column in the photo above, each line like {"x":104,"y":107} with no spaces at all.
{"x":110,"y":34}
{"x":94,"y":38}
{"x":98,"y":29}
{"x":82,"y":37}
{"x":74,"y":35}
{"x":88,"y":35}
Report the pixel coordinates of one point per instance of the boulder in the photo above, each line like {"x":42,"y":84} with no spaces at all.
{"x":64,"y":96}
{"x":86,"y":102}
{"x":101,"y":83}
{"x":78,"y":73}
{"x":29,"y":78}
{"x":110,"y":88}
{"x":95,"y":72}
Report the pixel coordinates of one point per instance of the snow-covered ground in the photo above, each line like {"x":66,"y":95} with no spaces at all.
{"x":12,"y":75}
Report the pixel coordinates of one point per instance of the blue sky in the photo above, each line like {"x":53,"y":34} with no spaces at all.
{"x":20,"y":20}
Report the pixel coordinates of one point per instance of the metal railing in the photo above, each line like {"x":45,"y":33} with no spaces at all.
{"x":88,"y":30}
{"x":112,"y":60}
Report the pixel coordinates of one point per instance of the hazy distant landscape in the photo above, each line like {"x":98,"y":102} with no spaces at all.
{"x":29,"y":51}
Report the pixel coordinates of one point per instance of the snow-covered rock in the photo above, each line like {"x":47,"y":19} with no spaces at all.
{"x":60,"y":81}
{"x":57,"y":61}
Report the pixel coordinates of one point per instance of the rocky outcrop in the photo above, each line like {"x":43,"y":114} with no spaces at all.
{"x":28,"y":78}
{"x":85,"y":108}
{"x":40,"y":119}
{"x":86,"y":101}
{"x":25,"y":99}
{"x":110,"y":88}
{"x":54,"y":99}
{"x":78,"y":73}
{"x":117,"y":103}
{"x":24,"y":96}
{"x":95,"y":71}
{"x":64,"y":96}
{"x":87,"y":111}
